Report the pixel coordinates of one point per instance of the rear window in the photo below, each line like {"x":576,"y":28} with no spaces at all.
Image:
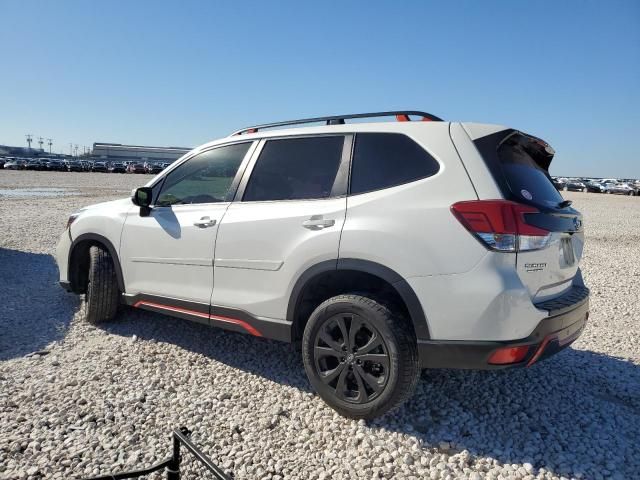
{"x":526,"y":179}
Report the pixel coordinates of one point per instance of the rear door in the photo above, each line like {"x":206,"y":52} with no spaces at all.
{"x":520,"y":163}
{"x":287,"y":216}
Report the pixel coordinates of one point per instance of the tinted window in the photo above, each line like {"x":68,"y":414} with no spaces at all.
{"x":295,"y":168}
{"x":526,"y":179}
{"x":204,"y":178}
{"x":383,"y":160}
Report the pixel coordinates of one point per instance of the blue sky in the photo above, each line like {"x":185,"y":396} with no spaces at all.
{"x":183,"y":73}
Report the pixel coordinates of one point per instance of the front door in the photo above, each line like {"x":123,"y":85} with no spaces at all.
{"x":169,"y":253}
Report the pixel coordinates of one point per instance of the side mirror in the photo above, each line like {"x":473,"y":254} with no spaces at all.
{"x":142,"y":197}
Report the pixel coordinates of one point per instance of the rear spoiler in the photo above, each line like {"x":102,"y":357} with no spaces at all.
{"x":488,"y":138}
{"x":539,"y":150}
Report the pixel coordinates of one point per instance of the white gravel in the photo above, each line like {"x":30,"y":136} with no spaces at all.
{"x":97,"y":400}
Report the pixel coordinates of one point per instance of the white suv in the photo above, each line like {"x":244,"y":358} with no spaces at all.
{"x":382,"y":247}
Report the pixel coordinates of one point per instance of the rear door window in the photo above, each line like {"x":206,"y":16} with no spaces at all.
{"x":383,"y":160}
{"x":526,"y":179}
{"x":295,"y":169}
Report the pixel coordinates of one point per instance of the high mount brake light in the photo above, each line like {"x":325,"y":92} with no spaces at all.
{"x":500,"y":225}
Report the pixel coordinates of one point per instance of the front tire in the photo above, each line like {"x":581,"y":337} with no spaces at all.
{"x":102,"y":295}
{"x":360,"y":357}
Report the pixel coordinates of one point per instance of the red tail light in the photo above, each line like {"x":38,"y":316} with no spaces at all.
{"x":500,"y":224}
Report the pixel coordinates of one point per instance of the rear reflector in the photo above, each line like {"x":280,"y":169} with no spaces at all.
{"x":504,"y":356}
{"x":500,"y":224}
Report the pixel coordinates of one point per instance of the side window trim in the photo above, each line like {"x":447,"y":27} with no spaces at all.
{"x":248,"y":170}
{"x":234,"y":183}
{"x":343,"y":177}
{"x":340,"y":184}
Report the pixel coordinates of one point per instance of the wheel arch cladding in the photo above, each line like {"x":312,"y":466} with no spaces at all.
{"x":79,"y":254}
{"x":334,"y":277}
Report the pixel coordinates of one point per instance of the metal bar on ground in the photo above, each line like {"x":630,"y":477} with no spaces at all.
{"x":181,"y":435}
{"x":135,"y":473}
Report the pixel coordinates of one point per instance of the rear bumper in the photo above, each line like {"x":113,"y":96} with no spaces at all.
{"x":562,"y":327}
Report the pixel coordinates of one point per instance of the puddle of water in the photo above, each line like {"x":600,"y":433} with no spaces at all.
{"x":36,"y":192}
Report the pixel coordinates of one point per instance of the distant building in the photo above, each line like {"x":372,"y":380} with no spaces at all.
{"x":116,"y":152}
{"x":23,"y":152}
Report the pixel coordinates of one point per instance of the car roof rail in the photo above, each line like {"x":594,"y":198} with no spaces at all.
{"x":401,"y":116}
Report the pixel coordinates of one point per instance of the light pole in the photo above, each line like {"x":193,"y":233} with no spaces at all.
{"x":40,"y":142}
{"x":29,"y":139}
{"x":49,"y":142}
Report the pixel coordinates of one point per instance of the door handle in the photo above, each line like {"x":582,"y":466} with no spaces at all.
{"x":205,"y":222}
{"x":316,"y":222}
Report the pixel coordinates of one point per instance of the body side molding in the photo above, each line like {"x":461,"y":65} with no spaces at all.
{"x":216,"y":316}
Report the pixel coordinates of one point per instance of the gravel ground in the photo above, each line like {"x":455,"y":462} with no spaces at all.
{"x":94,"y":400}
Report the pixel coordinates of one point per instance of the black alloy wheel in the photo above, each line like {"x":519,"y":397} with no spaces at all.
{"x":351,"y":358}
{"x":360,"y":355}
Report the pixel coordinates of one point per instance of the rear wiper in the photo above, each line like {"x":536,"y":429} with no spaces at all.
{"x":565,"y":204}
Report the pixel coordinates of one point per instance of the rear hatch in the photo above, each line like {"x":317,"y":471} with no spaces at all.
{"x":519,"y":163}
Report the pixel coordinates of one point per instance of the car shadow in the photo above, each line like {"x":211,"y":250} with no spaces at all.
{"x":541,"y":415}
{"x":34,"y":310}
{"x":218,"y":344}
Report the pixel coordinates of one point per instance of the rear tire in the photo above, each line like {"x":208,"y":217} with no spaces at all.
{"x":102,"y":297}
{"x":360,"y":357}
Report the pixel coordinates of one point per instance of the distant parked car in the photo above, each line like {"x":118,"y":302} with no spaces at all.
{"x":74,"y":166}
{"x":151,"y":167}
{"x":558,"y":183}
{"x":619,"y":189}
{"x":595,"y":187}
{"x":33,"y":164}
{"x":42,"y":165}
{"x":100,"y":167}
{"x":575,"y":186}
{"x":117,"y":168}
{"x":12,"y":165}
{"x":136,"y":168}
{"x":56,"y":166}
